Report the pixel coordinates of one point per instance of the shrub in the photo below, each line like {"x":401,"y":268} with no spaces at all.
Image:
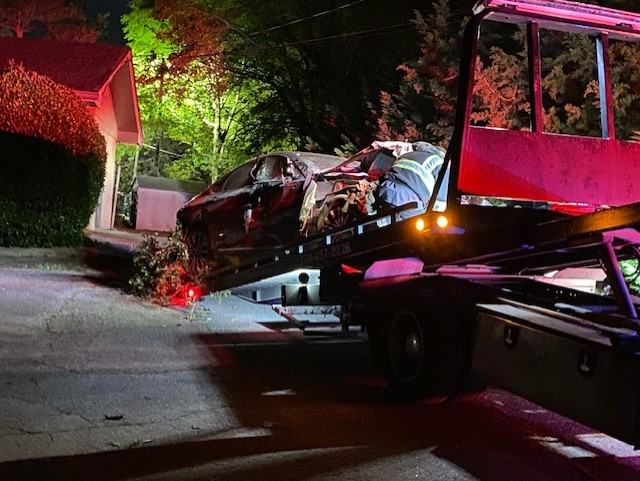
{"x":52,"y":162}
{"x":159,"y":274}
{"x":34,"y":105}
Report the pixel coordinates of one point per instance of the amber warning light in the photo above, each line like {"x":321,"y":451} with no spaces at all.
{"x":442,"y":221}
{"x":440,"y":224}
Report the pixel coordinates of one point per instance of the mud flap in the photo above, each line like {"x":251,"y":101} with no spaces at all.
{"x":568,"y":368}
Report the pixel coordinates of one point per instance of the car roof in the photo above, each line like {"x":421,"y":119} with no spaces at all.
{"x":312,"y":160}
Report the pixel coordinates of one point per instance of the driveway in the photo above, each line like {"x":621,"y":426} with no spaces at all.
{"x":85,"y":367}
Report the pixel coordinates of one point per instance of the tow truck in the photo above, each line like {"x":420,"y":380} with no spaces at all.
{"x":476,"y":291}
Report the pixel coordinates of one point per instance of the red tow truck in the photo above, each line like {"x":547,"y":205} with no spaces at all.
{"x":518,"y":281}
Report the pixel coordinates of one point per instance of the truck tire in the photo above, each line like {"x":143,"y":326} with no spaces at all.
{"x":420,"y":348}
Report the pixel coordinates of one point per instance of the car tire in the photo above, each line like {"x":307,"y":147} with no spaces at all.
{"x":337,"y":214}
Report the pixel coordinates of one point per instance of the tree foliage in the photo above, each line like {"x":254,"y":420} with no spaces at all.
{"x":318,"y":63}
{"x":186,"y":92}
{"x":57,"y":19}
{"x":424,"y":103}
{"x":232,"y":80}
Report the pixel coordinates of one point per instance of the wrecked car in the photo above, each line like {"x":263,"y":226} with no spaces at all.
{"x":272,"y":200}
{"x":278,"y":198}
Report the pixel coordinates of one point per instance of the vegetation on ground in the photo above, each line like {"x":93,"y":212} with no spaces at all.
{"x":159,"y":274}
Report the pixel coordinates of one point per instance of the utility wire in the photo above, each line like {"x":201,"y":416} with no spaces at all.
{"x":377,"y":31}
{"x":386,"y":30}
{"x":153,"y":147}
{"x":298,"y":20}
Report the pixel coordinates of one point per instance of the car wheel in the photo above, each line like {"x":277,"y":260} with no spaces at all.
{"x":198,"y":250}
{"x":338,"y":215}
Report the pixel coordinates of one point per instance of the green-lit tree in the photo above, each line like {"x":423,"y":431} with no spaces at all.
{"x":186,"y":93}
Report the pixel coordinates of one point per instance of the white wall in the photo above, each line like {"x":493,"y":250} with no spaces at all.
{"x":106,"y":119}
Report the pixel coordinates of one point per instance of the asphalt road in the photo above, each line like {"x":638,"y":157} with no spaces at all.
{"x":96,"y":384}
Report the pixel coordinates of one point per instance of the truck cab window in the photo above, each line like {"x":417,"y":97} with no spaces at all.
{"x":625,"y":73}
{"x":501,"y":88}
{"x":570,"y":91}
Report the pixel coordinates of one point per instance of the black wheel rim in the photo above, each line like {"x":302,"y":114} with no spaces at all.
{"x":197,"y":251}
{"x":337,"y":218}
{"x":406,"y":347}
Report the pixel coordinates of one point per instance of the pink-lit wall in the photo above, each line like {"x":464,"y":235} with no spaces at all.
{"x":105,"y":117}
{"x":157,"y":209}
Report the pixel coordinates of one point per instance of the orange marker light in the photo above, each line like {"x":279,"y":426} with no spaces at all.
{"x":442,"y":221}
{"x":420,"y":225}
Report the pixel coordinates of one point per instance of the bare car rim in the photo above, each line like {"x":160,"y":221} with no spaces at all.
{"x":197,"y":251}
{"x":338,"y":216}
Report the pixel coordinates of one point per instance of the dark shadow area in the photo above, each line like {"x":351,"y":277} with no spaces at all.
{"x":113,"y":264}
{"x":316,"y":407}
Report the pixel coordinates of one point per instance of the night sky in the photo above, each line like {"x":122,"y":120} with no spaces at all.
{"x":116,"y":9}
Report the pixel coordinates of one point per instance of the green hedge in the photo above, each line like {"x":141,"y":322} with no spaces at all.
{"x":47,"y":194}
{"x":52,"y":161}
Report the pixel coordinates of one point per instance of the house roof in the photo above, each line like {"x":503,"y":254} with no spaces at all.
{"x":87,"y":68}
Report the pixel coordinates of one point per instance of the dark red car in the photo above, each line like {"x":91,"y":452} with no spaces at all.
{"x":276,"y":199}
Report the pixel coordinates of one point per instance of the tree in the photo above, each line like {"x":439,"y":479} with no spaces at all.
{"x":185,"y":91}
{"x":57,"y":19}
{"x":424,"y":103}
{"x":317,"y":64}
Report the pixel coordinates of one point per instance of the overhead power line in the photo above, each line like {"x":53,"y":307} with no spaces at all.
{"x":298,"y":20}
{"x":388,"y":30}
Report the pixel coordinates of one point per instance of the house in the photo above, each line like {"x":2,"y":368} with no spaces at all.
{"x":102,"y":76}
{"x":157,"y":200}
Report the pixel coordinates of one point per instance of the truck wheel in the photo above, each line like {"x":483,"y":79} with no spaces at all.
{"x":198,"y":250}
{"x":424,"y":357}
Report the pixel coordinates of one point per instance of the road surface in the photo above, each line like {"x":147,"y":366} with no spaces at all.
{"x":98,"y":385}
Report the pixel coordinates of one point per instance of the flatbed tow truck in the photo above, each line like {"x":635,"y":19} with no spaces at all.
{"x":469,"y":292}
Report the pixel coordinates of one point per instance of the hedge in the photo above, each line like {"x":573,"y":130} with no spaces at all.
{"x":52,"y":162}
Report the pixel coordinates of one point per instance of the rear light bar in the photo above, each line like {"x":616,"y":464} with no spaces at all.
{"x":566,"y":10}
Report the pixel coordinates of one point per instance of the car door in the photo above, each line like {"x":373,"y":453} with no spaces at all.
{"x":275,"y":201}
{"x":225,"y":210}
